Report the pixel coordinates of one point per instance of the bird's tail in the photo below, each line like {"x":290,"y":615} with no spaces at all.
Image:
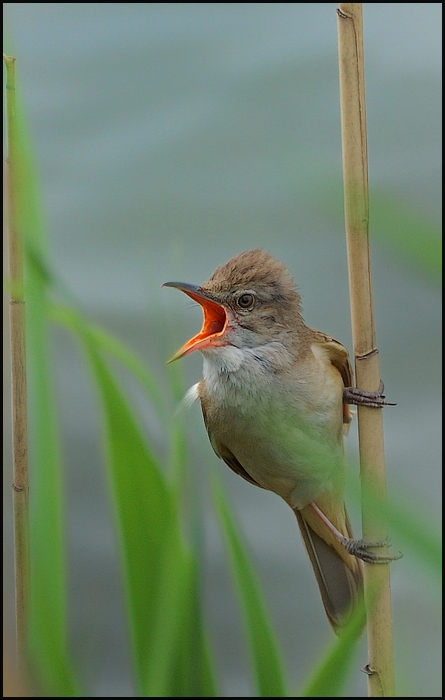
{"x":339,"y":575}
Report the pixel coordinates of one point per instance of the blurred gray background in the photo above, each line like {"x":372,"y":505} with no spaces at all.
{"x":169,"y":137}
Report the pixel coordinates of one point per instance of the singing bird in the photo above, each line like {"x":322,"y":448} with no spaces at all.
{"x":275,"y":397}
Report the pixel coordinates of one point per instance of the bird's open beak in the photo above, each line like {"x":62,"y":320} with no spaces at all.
{"x":214,"y":323}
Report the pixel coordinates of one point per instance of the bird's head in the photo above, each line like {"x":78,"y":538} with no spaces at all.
{"x":248,"y":302}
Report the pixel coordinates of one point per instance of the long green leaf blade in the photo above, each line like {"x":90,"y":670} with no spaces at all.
{"x":164,"y":610}
{"x":48,"y":634}
{"x":266,"y":658}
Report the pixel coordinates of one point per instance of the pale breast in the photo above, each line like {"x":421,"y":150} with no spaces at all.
{"x":275,"y":427}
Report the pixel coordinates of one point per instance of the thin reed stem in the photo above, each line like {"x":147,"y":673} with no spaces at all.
{"x":18,"y":375}
{"x":370,"y":420}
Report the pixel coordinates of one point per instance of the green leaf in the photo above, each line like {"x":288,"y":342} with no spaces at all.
{"x":266,"y":658}
{"x":395,"y":225}
{"x":47,"y":628}
{"x":332,"y":673}
{"x":405,"y":524}
{"x":403,"y":231}
{"x":158,"y":567}
{"x":48,"y":624}
{"x":152,"y":553}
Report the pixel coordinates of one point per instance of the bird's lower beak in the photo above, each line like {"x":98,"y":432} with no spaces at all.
{"x":214,"y":323}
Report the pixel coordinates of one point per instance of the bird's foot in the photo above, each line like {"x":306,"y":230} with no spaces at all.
{"x":371,"y":399}
{"x":360,"y":549}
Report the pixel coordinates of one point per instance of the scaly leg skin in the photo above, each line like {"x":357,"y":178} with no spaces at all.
{"x":358,"y":548}
{"x":371,"y":399}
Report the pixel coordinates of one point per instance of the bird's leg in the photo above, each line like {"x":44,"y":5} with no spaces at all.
{"x":358,"y":548}
{"x":372,"y":399}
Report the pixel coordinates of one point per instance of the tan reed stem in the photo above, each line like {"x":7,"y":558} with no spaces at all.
{"x":370,"y":420}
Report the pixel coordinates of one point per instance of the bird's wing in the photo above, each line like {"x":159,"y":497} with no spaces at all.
{"x":224,"y":453}
{"x":233,"y":463}
{"x":338,"y":574}
{"x":337,"y":354}
{"x":339,"y":358}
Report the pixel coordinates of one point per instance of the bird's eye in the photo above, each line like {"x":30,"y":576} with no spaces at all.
{"x":246,"y":301}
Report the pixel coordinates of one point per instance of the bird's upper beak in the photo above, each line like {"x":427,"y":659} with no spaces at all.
{"x":214,"y":323}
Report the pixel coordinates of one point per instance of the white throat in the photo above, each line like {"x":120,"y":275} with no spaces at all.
{"x":232,"y":375}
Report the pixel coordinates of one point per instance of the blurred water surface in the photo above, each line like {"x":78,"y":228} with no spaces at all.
{"x":169,"y":137}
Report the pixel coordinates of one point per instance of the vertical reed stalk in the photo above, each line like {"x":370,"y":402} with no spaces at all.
{"x":18,"y":374}
{"x":370,"y":423}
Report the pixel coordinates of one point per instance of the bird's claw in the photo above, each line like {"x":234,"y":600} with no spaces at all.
{"x":360,"y":549}
{"x":371,"y":399}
